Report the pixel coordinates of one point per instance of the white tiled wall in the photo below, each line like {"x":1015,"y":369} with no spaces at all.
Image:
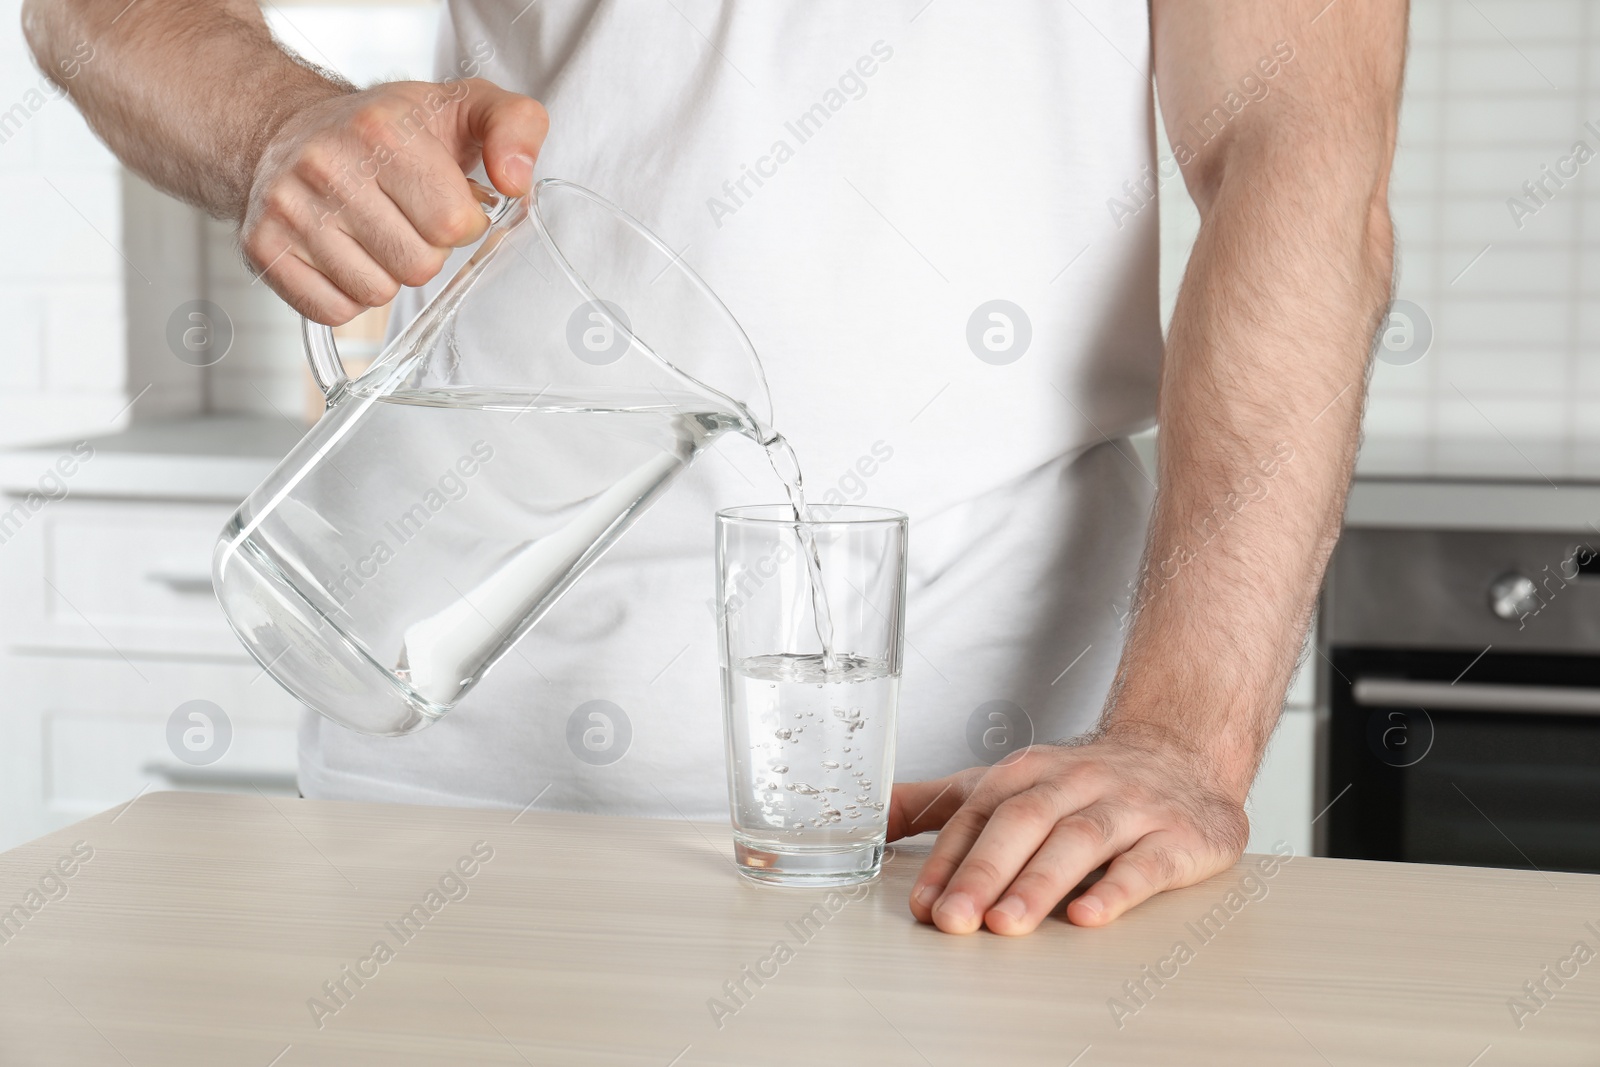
{"x":1495,"y":89}
{"x":263,"y":372}
{"x":62,"y":365}
{"x":163,"y":237}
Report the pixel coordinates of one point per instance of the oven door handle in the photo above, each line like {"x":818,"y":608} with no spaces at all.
{"x":1447,"y":696}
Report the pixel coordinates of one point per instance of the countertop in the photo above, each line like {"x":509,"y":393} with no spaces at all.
{"x":206,"y":457}
{"x":1465,"y":484}
{"x":1475,"y":484}
{"x":214,"y":929}
{"x":1400,"y":483}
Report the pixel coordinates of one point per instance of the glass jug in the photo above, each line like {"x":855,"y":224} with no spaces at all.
{"x":494,"y":450}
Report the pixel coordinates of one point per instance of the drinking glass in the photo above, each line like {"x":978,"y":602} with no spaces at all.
{"x":810,"y":725}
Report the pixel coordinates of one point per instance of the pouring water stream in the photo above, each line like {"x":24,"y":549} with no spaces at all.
{"x":780,"y":454}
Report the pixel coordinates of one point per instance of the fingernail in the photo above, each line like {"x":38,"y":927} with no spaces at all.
{"x":1091,"y":905}
{"x":957,"y":908}
{"x":926,"y":896}
{"x":1012,"y":908}
{"x":519,"y":170}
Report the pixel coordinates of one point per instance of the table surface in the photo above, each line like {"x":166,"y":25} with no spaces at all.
{"x":202,"y":929}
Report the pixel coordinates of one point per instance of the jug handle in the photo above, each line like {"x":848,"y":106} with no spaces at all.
{"x":321,"y":351}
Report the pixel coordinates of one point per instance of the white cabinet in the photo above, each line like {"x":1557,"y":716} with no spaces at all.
{"x":128,"y":577}
{"x":1280,"y":802}
{"x":108,"y":624}
{"x":84,"y":733}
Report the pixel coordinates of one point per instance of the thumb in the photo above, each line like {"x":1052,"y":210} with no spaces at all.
{"x":917,"y":807}
{"x":509,"y":128}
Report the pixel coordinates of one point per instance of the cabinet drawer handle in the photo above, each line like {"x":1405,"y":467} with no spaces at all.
{"x":181,"y":582}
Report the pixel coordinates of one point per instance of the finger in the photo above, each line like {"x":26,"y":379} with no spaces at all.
{"x":1013,"y":833}
{"x":1076,"y":845}
{"x":422,"y":177}
{"x":510,"y":129}
{"x":1153,"y":865}
{"x":917,"y":807}
{"x":305,"y":289}
{"x":341,"y":259}
{"x":296,"y":216}
{"x":384,"y":232}
{"x":961,"y":831}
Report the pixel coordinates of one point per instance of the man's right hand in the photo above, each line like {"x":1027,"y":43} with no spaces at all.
{"x":361,"y":193}
{"x":341,"y":196}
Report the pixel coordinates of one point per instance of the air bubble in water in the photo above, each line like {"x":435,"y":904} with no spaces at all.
{"x":830,"y":765}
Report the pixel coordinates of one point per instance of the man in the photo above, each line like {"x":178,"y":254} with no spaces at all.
{"x":861,"y":183}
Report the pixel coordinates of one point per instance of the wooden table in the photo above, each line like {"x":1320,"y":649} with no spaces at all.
{"x":201,"y":929}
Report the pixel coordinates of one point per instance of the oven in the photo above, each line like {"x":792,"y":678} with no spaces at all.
{"x":1462,"y":682}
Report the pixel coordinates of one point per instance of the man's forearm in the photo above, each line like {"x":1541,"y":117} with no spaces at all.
{"x":1260,"y":404}
{"x":186,"y":93}
{"x":1260,"y":407}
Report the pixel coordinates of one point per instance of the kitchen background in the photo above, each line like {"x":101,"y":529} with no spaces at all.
{"x":1488,"y":383}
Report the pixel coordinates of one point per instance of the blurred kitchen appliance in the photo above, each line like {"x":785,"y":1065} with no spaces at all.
{"x":1464,"y":697}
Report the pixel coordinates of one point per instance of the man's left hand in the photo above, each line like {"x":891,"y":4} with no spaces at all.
{"x":1016,"y":838}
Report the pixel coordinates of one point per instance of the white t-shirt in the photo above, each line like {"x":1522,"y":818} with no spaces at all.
{"x":855,"y":182}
